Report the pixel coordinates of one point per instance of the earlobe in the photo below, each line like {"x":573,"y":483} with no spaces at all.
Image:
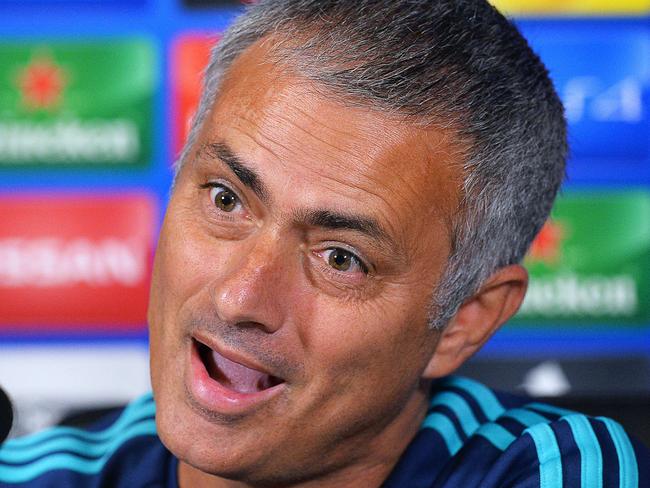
{"x":477,"y":319}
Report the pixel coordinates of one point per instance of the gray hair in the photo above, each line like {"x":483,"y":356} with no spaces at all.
{"x":453,"y":63}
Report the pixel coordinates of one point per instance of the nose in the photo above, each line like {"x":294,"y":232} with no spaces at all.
{"x":254,"y":287}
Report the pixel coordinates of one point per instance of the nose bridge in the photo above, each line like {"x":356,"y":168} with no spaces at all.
{"x":251,"y":288}
{"x":263,"y":262}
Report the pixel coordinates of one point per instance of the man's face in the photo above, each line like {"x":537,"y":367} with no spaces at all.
{"x":299,"y":253}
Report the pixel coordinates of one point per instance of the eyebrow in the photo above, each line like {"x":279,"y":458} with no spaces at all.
{"x":245,"y":174}
{"x":341,"y":221}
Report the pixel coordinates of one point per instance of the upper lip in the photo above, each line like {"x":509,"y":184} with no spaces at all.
{"x":233,"y":355}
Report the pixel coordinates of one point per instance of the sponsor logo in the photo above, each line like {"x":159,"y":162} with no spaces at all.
{"x":69,"y":262}
{"x":593,"y":7}
{"x":41,"y":83}
{"x":81,"y":104}
{"x":190,"y":55}
{"x":587,"y":97}
{"x":69,"y":141}
{"x":569,"y":294}
{"x":44,"y":263}
{"x":546,"y":247}
{"x":591,"y":262}
{"x":605,"y":96}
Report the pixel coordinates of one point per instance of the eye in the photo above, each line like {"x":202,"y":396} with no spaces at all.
{"x":224,"y":198}
{"x":344,"y":260}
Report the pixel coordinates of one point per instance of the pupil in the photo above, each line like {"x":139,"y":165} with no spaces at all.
{"x":340,"y":260}
{"x":227,"y":200}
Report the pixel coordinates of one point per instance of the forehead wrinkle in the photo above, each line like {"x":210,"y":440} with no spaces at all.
{"x":266,"y":141}
{"x":341,"y":151}
{"x":263,"y":140}
{"x":259,"y":136}
{"x":356,"y":164}
{"x":358,"y":136}
{"x":352,"y":165}
{"x":295,"y":90}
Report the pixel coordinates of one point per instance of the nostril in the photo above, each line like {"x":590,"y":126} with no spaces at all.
{"x":251,"y":298}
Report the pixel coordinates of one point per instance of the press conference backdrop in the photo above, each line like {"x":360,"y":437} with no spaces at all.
{"x":95,"y":99}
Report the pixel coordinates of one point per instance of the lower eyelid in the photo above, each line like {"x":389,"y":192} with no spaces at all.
{"x":353,"y":278}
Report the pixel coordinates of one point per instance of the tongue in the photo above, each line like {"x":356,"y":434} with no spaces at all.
{"x":238,"y":377}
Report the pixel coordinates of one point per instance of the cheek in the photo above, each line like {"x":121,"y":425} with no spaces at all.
{"x":371,"y":340}
{"x":365,"y":365}
{"x":183,"y":264}
{"x":178,"y":275}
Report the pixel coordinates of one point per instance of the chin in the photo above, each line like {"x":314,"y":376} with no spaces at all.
{"x":207,"y":446}
{"x":222,"y":451}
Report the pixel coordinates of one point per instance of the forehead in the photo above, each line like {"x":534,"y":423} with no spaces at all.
{"x":279,"y":120}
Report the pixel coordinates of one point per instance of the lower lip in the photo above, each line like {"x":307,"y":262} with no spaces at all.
{"x":215,"y":397}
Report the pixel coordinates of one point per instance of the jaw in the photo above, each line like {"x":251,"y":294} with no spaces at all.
{"x":277,"y":437}
{"x":363,"y":460}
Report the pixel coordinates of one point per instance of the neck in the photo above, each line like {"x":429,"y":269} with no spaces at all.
{"x":380,"y":453}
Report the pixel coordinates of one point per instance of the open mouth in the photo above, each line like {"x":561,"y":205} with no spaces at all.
{"x":233,"y":375}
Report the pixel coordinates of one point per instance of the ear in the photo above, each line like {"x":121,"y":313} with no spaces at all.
{"x":477,"y":319}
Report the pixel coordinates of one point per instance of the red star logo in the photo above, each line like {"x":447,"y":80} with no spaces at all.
{"x":546,"y":246}
{"x":41,"y":83}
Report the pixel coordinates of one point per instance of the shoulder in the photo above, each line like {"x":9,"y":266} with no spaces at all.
{"x":118,"y":452}
{"x":499,"y":440}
